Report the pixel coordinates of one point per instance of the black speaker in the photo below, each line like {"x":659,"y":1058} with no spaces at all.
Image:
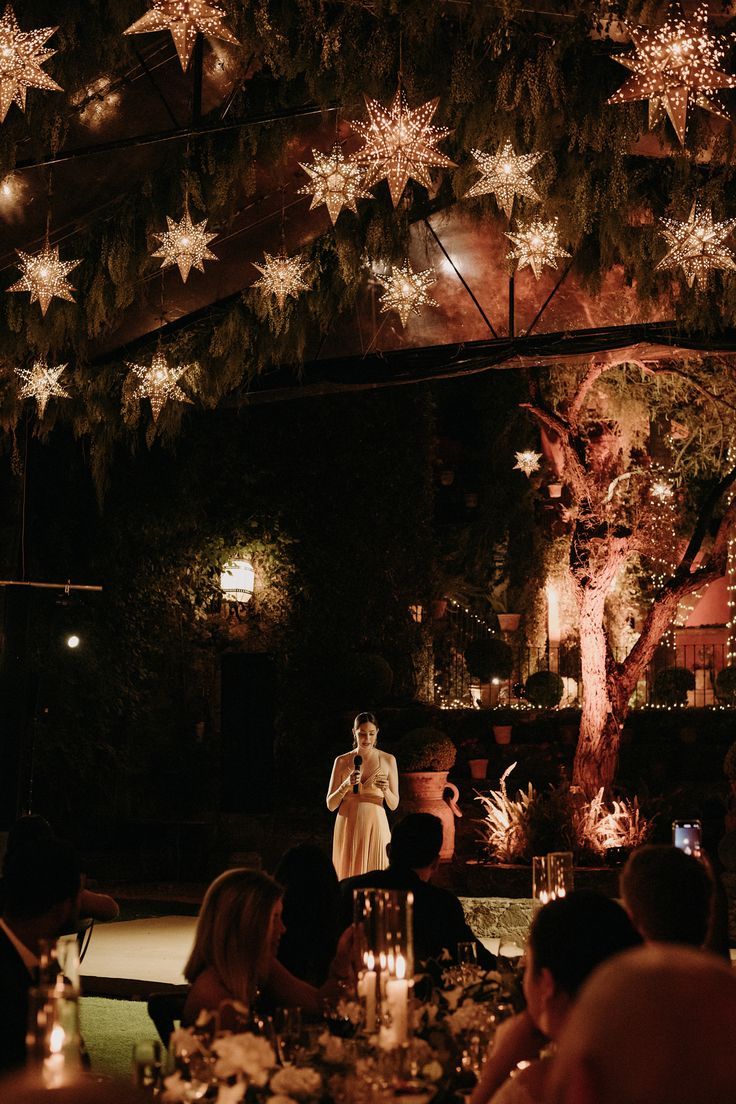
{"x":248,"y":708}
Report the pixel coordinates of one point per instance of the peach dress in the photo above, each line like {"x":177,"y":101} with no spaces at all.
{"x":361,"y":829}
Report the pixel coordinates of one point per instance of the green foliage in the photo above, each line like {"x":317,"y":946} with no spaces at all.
{"x":544,"y":689}
{"x":489,"y":658}
{"x":671,"y":685}
{"x":726,"y":684}
{"x":425,"y":749}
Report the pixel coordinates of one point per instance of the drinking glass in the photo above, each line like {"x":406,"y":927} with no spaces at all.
{"x":560,"y":873}
{"x":540,"y":880}
{"x":288,"y":1031}
{"x":147,"y":1065}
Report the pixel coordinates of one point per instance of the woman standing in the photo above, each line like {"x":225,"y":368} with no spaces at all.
{"x":357,"y":792}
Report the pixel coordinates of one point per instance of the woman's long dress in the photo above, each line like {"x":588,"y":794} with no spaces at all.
{"x":361,"y":830}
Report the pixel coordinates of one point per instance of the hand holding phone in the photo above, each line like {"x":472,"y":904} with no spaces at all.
{"x":686,"y":835}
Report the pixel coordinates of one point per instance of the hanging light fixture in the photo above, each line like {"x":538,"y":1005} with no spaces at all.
{"x":237,"y":582}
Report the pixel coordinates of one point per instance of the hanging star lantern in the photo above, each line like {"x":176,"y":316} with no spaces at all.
{"x":282,"y":276}
{"x":527,"y":461}
{"x":537,"y":244}
{"x":400,"y":144}
{"x":41,"y":383}
{"x":505,"y":175}
{"x":336,"y":181}
{"x":662,"y":491}
{"x":185,"y":244}
{"x":22,"y":53}
{"x":45,"y":276}
{"x":406,"y":291}
{"x":673,"y":64}
{"x":185,"y":19}
{"x":697,"y":245}
{"x":159,"y":382}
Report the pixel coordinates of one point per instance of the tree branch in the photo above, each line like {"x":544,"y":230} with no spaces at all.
{"x":596,"y":370}
{"x":574,"y":469}
{"x":703,"y":520}
{"x":693,"y":383}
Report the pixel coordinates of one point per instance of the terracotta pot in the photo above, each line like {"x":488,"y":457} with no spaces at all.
{"x":478,"y":767}
{"x":423,"y":792}
{"x":508,"y":622}
{"x":502,"y":733}
{"x":554,"y":490}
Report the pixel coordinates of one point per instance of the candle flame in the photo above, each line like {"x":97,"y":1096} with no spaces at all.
{"x":400,"y":967}
{"x":57,"y":1038}
{"x":370,"y":960}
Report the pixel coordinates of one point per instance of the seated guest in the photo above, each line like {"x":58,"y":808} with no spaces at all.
{"x":657,"y":1026}
{"x":235,"y":945}
{"x":414,"y":855}
{"x":311,"y":911}
{"x":33,"y":828}
{"x":568,"y":939}
{"x":670,"y":897}
{"x":40,"y":902}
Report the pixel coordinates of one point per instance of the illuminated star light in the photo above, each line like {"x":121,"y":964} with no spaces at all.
{"x":22,"y":53}
{"x":45,"y":276}
{"x":406,"y":291}
{"x":400,"y":144}
{"x":159,"y":382}
{"x":673,"y":63}
{"x":41,"y":383}
{"x":505,"y":175}
{"x":185,"y":244}
{"x":537,"y":244}
{"x":185,"y":19}
{"x":697,"y":245}
{"x":527,"y":461}
{"x":662,"y":491}
{"x":282,"y":276}
{"x":336,"y":181}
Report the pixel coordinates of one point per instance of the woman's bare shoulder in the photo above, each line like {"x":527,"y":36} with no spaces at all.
{"x":206,"y":995}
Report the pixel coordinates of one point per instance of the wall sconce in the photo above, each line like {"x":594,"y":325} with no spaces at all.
{"x":237,"y":581}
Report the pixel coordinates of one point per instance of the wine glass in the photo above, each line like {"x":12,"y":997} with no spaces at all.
{"x":467,"y":960}
{"x":287,"y":1023}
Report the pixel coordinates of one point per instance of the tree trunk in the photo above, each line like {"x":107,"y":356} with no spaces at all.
{"x":596,"y":755}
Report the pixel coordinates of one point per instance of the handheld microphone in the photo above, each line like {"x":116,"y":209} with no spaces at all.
{"x":357,"y":764}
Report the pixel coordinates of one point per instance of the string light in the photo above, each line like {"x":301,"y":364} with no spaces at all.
{"x":697,"y":244}
{"x":336,"y":181}
{"x":537,"y":244}
{"x":400,"y":144}
{"x":45,"y":276}
{"x":22,"y":53}
{"x":673,"y":64}
{"x":505,"y":175}
{"x":406,"y":291}
{"x":185,"y":19}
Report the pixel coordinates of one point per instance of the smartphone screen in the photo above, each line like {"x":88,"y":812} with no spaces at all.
{"x":686,"y":836}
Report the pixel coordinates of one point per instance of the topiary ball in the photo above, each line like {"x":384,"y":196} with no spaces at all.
{"x":489,"y":658}
{"x":726,"y":684}
{"x":671,"y":685}
{"x":425,"y":749}
{"x":365,"y":680}
{"x":544,"y":689}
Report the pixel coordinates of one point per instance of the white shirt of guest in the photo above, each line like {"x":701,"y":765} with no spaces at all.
{"x":30,"y":960}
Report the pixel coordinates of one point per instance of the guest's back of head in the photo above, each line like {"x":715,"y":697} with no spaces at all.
{"x":233,"y":929}
{"x":38,"y":876}
{"x":416,"y":841}
{"x":656,"y":1026}
{"x":311,"y":912}
{"x":667,"y":894}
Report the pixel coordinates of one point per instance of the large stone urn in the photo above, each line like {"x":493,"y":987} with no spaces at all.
{"x":425,"y":792}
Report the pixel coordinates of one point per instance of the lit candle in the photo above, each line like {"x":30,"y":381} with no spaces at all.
{"x":54,"y":1066}
{"x":367,"y":990}
{"x":397,"y":1002}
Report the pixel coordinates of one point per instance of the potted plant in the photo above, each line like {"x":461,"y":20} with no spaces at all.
{"x":544,"y":689}
{"x":726,"y":685}
{"x":425,"y":756}
{"x":491,"y":660}
{"x":502,"y":724}
{"x":477,"y":757}
{"x":671,"y":686}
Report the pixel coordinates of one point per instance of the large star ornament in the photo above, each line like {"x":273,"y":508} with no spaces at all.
{"x":41,"y":383}
{"x":505,"y":175}
{"x":697,"y":244}
{"x":400,"y":144}
{"x":527,"y":461}
{"x":672,"y":64}
{"x":406,"y":291}
{"x":537,"y":244}
{"x":185,"y":244}
{"x":22,"y":53}
{"x":282,"y":276}
{"x":336,"y":181}
{"x":159,"y":382}
{"x":185,"y":19}
{"x":45,"y":276}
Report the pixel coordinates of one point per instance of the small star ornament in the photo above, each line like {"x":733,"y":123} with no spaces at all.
{"x":282,"y":276}
{"x":400,"y":144}
{"x":697,"y":245}
{"x":406,"y":291}
{"x":336,"y":181}
{"x":185,"y":244}
{"x":673,"y":65}
{"x":45,"y":276}
{"x":662,"y":491}
{"x":185,"y":19}
{"x":527,"y":461}
{"x":536,"y":245}
{"x":505,"y":175}
{"x":159,"y":382}
{"x":22,"y":53}
{"x":41,"y":383}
